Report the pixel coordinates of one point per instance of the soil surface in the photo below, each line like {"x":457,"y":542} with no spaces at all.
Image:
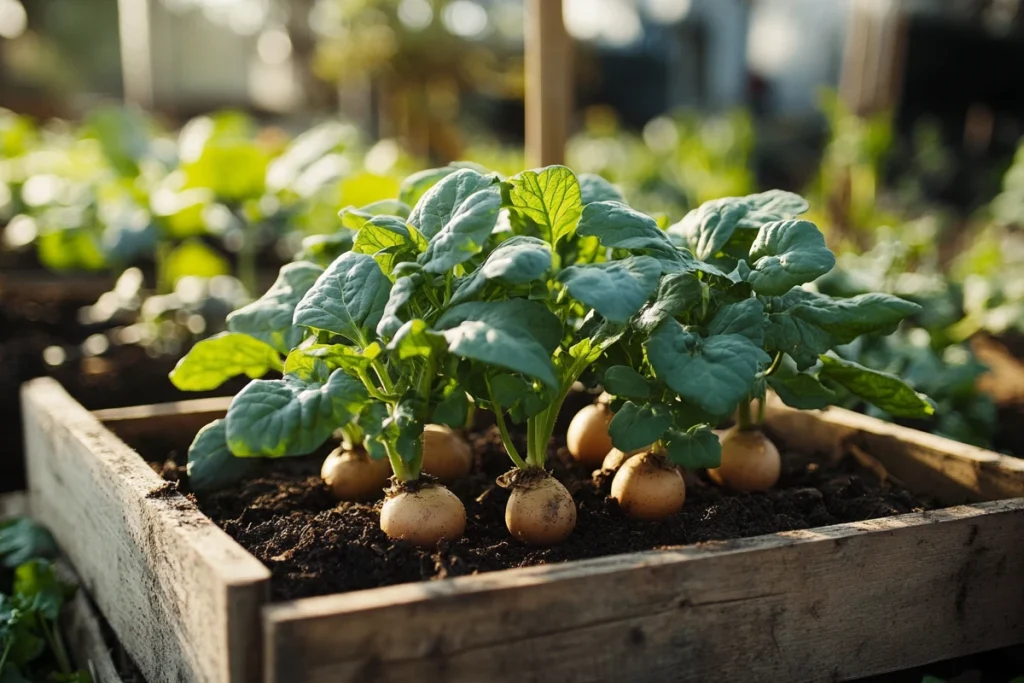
{"x":315,"y":545}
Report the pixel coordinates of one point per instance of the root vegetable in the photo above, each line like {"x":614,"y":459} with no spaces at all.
{"x":353,"y":475}
{"x":615,"y":459}
{"x":649,"y":487}
{"x":750,"y":461}
{"x":540,"y":511}
{"x":423,"y":516}
{"x":587,"y":437}
{"x":446,"y":455}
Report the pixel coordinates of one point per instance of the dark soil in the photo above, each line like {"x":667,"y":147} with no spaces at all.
{"x":315,"y":545}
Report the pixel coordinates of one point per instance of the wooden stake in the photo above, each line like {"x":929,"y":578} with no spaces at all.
{"x":548,"y":83}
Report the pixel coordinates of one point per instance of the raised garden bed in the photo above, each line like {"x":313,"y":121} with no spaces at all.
{"x":833,"y":602}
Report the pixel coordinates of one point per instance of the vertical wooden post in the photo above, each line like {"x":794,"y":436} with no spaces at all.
{"x":136,"y":52}
{"x":548,"y":83}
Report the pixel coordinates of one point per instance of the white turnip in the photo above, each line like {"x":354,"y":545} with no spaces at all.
{"x":540,"y":511}
{"x":446,"y":455}
{"x":353,"y":475}
{"x":423,"y":515}
{"x":649,"y":487}
{"x":750,"y":461}
{"x":587,"y":437}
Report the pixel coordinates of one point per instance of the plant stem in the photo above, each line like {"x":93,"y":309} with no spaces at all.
{"x":774,"y":366}
{"x":371,"y":388}
{"x":7,"y":652}
{"x":354,"y":435}
{"x":506,"y":439}
{"x":744,"y":420}
{"x":397,"y":464}
{"x":57,"y":645}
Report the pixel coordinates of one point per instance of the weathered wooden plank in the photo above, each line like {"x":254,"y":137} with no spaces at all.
{"x":952,"y":471}
{"x":825,"y":604}
{"x":83,"y":634}
{"x":183,"y":598}
{"x":182,"y":417}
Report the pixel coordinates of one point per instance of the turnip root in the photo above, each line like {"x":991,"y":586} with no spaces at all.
{"x":587,"y":437}
{"x":540,"y":511}
{"x":615,"y":459}
{"x":423,"y":516}
{"x":446,"y":455}
{"x":649,"y":487}
{"x":353,"y":475}
{"x":750,"y":461}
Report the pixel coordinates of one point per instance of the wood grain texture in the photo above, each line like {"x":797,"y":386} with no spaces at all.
{"x":83,"y":635}
{"x":182,"y":417}
{"x":183,"y":598}
{"x":949,"y":470}
{"x":826,"y":604}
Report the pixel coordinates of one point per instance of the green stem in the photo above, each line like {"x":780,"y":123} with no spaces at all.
{"x":744,"y":419}
{"x":774,"y":366}
{"x":353,"y":435}
{"x":382,"y":373}
{"x":506,"y":439}
{"x":7,"y":652}
{"x":372,"y":388}
{"x":402,"y":473}
{"x":57,"y":645}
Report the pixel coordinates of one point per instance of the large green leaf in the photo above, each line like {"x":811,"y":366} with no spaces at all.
{"x":516,"y":334}
{"x":710,"y":226}
{"x":638,"y":425}
{"x":551,"y":198}
{"x":786,"y":254}
{"x":269,"y":318}
{"x":440,"y":205}
{"x":211,"y":465}
{"x":214,"y":361}
{"x":778,"y":202}
{"x":417,"y":184}
{"x":594,"y":188}
{"x":745,"y":317}
{"x":880,"y":389}
{"x":715,"y":373}
{"x":465,"y":229}
{"x":274,"y":418}
{"x":617,"y":225}
{"x":677,"y":294}
{"x":348,"y":299}
{"x":414,"y":339}
{"x":615,"y":289}
{"x":695,"y":449}
{"x":799,"y":389}
{"x":516,"y":261}
{"x":806,"y":324}
{"x":22,"y":539}
{"x":622,"y":380}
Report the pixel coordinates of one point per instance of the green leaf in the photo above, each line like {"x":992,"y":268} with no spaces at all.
{"x":622,"y":380}
{"x":386,"y":239}
{"x":695,"y":449}
{"x":615,"y":289}
{"x":453,"y":409}
{"x":806,"y":324}
{"x":401,"y":294}
{"x":710,"y":226}
{"x":550,"y":198}
{"x":880,"y":389}
{"x":516,"y":261}
{"x":516,"y":334}
{"x":618,"y":226}
{"x":348,"y":299}
{"x":440,"y":205}
{"x":405,"y":430}
{"x":36,"y":581}
{"x":22,"y":540}
{"x":214,"y":361}
{"x":416,"y":185}
{"x":798,"y":389}
{"x":745,"y":317}
{"x":211,"y":465}
{"x":234,"y":168}
{"x":786,"y":254}
{"x":464,"y":230}
{"x":715,"y":373}
{"x":677,"y":294}
{"x":778,"y":202}
{"x":269,"y":318}
{"x":636,"y":426}
{"x":594,"y":188}
{"x":323,"y":249}
{"x":305,"y":366}
{"x":274,"y":418}
{"x":416,"y":340}
{"x":194,"y":258}
{"x":333,"y":355}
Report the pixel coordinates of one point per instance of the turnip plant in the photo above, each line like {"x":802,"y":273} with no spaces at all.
{"x":472,"y":289}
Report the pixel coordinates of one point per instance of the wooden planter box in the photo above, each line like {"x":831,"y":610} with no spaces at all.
{"x":831,"y":603}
